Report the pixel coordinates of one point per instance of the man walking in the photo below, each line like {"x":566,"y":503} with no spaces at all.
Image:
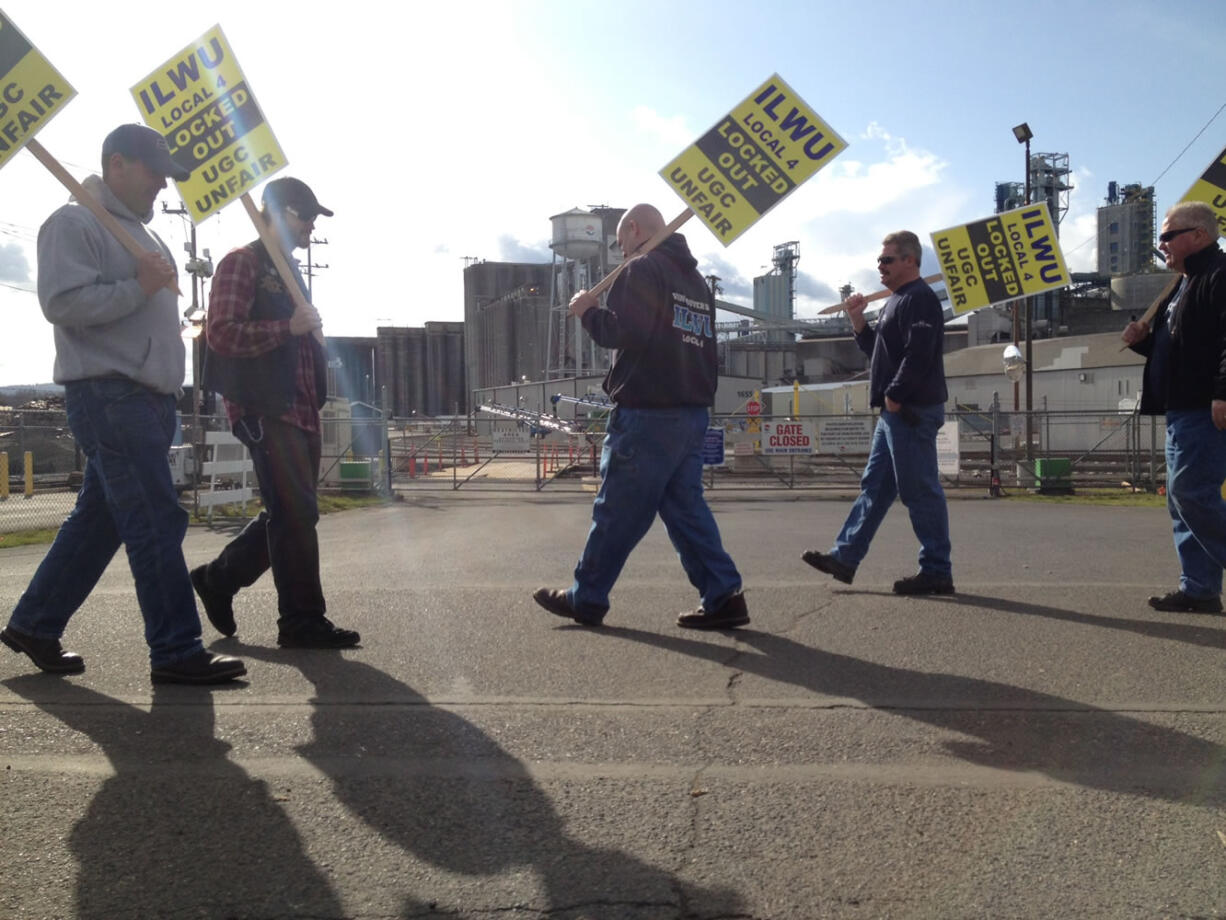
{"x":660,"y":318}
{"x":120,"y":357}
{"x":266,"y":358}
{"x":1185,"y":379}
{"x":907,"y":382}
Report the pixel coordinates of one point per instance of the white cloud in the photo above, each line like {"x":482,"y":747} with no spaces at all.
{"x":27,"y":352}
{"x":860,"y":187}
{"x":1079,"y":228}
{"x":14,"y":266}
{"x":670,"y":131}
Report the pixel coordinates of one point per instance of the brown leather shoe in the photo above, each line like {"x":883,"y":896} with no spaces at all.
{"x":824,"y":562}
{"x":558,"y":602}
{"x":1178,"y":602}
{"x":728,"y":615}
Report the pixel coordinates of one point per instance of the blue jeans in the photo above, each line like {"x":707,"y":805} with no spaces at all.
{"x":1195,"y":470}
{"x":127,"y":497}
{"x":652,"y":464}
{"x":902,"y":463}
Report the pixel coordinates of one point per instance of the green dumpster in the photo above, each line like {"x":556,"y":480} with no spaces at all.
{"x":355,"y":475}
{"x":1053,"y":474}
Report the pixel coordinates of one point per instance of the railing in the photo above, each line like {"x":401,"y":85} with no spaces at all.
{"x":1099,"y":449}
{"x":41,"y":469}
{"x":1106,"y":449}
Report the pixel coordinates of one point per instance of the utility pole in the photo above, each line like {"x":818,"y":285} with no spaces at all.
{"x":199,"y":269}
{"x":312,"y":266}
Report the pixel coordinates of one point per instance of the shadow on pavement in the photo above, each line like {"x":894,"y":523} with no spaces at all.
{"x":179,"y":829}
{"x":1192,"y":634}
{"x":444,"y":791}
{"x":1018,"y":729}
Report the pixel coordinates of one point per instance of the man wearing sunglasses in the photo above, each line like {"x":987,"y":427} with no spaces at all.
{"x":907,"y":381}
{"x":265,"y":356}
{"x":1185,"y":379}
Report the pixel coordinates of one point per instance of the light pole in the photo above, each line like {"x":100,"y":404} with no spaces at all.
{"x":1023,"y":134}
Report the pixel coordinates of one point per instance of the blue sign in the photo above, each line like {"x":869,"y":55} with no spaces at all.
{"x":713,"y":447}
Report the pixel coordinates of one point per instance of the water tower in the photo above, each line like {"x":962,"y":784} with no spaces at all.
{"x":576,"y":234}
{"x":584,"y":250}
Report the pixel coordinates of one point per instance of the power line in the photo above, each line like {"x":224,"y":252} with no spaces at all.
{"x":1191,"y":142}
{"x":1168,"y":168}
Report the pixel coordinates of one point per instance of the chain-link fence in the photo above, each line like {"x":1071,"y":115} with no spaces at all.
{"x":40,"y":467}
{"x":978,"y":450}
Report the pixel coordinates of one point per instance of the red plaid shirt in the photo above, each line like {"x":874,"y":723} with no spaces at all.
{"x":231,"y":333}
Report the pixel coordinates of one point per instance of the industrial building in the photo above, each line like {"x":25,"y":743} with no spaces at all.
{"x":517,"y":333}
{"x":419,"y":371}
{"x":1126,"y":227}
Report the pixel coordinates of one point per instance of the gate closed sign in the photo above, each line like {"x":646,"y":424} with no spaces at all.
{"x":787,"y":437}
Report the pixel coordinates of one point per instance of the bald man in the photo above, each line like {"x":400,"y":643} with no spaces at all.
{"x":660,"y":318}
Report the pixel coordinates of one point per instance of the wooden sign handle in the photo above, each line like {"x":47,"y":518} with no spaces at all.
{"x":928,"y":279}
{"x":668,"y":230}
{"x":273,"y":245}
{"x":1149,"y":314}
{"x":1148,"y":317}
{"x":105,"y":217}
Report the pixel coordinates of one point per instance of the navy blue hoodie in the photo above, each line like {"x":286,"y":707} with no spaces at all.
{"x":661,"y":320}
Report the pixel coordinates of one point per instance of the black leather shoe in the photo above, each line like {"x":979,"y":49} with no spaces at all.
{"x":924,"y":583}
{"x":317,"y":633}
{"x":45,"y":653}
{"x":218,"y":607}
{"x":728,"y":615}
{"x":1178,"y":602}
{"x":557,"y":602}
{"x":824,"y":562}
{"x":201,"y":668}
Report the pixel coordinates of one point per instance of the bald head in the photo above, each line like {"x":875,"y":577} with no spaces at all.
{"x":637,"y":226}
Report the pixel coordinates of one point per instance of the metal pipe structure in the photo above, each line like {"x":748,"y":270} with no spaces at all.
{"x":540,"y":423}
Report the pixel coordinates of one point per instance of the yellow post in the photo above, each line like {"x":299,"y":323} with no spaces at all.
{"x":796,"y":399}
{"x":29,"y":473}
{"x":4,"y":475}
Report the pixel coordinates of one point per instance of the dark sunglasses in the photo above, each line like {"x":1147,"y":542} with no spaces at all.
{"x":1171,"y":234}
{"x":886,"y":260}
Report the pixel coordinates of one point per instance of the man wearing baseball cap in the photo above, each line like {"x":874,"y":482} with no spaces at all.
{"x":266,"y":358}
{"x":121,"y":360}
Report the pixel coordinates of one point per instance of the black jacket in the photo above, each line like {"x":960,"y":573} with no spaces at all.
{"x":907,"y":348}
{"x":1196,"y":363}
{"x":267,"y":383}
{"x":661,"y":320}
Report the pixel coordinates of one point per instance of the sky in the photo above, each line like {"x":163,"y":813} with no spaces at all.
{"x":444,"y":132}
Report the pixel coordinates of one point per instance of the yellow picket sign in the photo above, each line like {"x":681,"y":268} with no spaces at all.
{"x":32,"y":92}
{"x":200,"y":101}
{"x":752,"y":158}
{"x":1001,"y":258}
{"x":1211,"y":189}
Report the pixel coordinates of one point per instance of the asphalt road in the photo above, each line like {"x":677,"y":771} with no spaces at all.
{"x":1039,"y":745}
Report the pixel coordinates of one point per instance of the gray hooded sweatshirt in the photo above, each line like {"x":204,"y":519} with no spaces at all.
{"x":105,"y":326}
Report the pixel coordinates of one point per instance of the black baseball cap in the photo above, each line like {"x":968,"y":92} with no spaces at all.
{"x":136,"y":142}
{"x":295,"y":194}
